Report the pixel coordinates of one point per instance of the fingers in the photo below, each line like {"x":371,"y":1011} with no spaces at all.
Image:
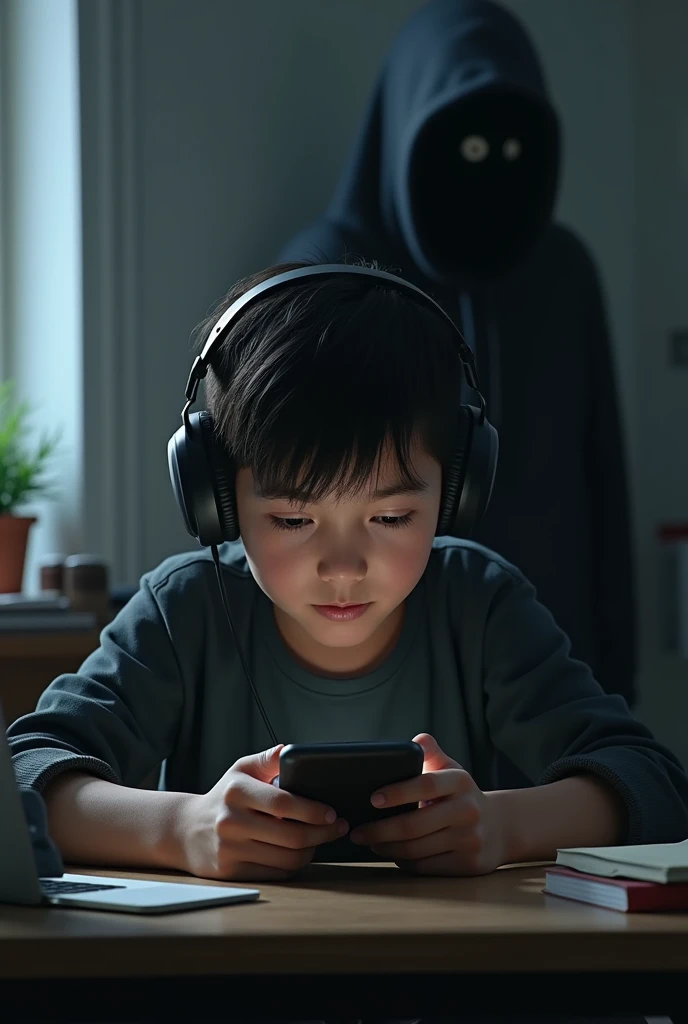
{"x":430,"y":786}
{"x":279,"y":857}
{"x":249,"y":826}
{"x":434,"y":758}
{"x":460,"y":814}
{"x":263,"y":766}
{"x":431,"y":845}
{"x":246,"y":792}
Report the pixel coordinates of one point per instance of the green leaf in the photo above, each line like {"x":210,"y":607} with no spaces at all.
{"x":22,"y":469}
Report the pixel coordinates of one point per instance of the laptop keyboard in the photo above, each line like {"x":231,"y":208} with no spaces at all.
{"x":56,"y":887}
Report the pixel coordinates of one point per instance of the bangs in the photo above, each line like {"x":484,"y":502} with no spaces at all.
{"x":331,"y":466}
{"x":316,"y":395}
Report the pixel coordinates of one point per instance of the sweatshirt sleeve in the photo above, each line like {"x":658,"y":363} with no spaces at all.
{"x":547,"y":713}
{"x":117,"y":717}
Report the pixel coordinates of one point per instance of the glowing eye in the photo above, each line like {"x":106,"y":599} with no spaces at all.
{"x":474,"y":148}
{"x":511,"y":149}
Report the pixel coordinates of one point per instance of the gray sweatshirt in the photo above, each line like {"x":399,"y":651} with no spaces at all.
{"x":479,"y":664}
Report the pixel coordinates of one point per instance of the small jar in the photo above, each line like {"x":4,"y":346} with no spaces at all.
{"x":86,"y":585}
{"x":51,"y":575}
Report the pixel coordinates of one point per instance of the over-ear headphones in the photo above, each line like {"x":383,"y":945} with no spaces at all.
{"x":202,"y":471}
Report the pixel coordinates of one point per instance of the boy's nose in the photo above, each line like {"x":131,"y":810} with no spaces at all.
{"x":342,"y":569}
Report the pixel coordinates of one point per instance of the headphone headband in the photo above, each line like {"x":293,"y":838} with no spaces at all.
{"x":201,"y":363}
{"x":202,"y":471}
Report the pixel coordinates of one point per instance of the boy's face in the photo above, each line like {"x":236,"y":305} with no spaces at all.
{"x":342,"y":552}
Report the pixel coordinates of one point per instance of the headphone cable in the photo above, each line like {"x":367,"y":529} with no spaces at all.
{"x":225,"y":605}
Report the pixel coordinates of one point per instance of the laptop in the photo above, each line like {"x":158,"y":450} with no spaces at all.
{"x":20,"y":882}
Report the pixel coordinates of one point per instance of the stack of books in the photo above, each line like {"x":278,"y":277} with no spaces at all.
{"x":22,"y":614}
{"x":626,"y":878}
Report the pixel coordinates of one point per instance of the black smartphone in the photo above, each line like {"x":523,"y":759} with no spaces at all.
{"x":344,"y":776}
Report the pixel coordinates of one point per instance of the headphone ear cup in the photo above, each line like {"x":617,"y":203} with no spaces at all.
{"x":222,"y":477}
{"x":453,"y":476}
{"x":467,"y":484}
{"x":202,"y":479}
{"x":180,"y":459}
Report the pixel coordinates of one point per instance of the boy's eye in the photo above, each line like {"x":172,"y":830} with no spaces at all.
{"x":391,"y":522}
{"x":394,"y":521}
{"x":287,"y":524}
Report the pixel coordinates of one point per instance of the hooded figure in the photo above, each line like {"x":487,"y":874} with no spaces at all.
{"x":451,"y":183}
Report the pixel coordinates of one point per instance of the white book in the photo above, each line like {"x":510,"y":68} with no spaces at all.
{"x":656,"y":862}
{"x":584,"y":891}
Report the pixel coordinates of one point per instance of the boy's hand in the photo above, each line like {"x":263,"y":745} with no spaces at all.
{"x":455,"y":830}
{"x":239,"y":829}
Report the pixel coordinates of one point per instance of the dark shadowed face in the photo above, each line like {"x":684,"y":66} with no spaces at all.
{"x":367,"y":549}
{"x":483,"y":176}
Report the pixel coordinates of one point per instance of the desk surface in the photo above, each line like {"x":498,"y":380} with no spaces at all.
{"x":33,"y":644}
{"x":348,"y":919}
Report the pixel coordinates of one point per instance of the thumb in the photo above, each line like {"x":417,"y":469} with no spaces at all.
{"x":263,"y":766}
{"x":434,"y":758}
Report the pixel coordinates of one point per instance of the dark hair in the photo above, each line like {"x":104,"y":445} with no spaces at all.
{"x":314,"y":378}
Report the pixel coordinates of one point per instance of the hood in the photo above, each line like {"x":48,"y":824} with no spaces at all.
{"x":457,"y":159}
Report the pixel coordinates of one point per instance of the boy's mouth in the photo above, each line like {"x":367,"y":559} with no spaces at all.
{"x":342,"y":612}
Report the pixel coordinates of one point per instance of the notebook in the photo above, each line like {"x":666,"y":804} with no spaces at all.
{"x":622,"y":894}
{"x":657,"y":862}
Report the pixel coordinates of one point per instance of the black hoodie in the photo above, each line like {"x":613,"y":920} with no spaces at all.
{"x":451,"y":182}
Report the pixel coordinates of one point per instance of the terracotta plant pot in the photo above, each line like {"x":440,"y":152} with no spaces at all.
{"x":14,"y":533}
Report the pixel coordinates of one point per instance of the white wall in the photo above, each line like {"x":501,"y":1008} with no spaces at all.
{"x":41,"y":248}
{"x":230,"y":123}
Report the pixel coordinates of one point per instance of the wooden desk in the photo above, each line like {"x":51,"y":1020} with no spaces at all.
{"x":348,"y":941}
{"x":29,"y":661}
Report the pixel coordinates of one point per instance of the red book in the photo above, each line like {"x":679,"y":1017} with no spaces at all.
{"x":623,"y":894}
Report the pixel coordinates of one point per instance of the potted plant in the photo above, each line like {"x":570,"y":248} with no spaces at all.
{"x":22,"y":470}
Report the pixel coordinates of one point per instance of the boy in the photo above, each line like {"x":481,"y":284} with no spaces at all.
{"x":336,"y":398}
